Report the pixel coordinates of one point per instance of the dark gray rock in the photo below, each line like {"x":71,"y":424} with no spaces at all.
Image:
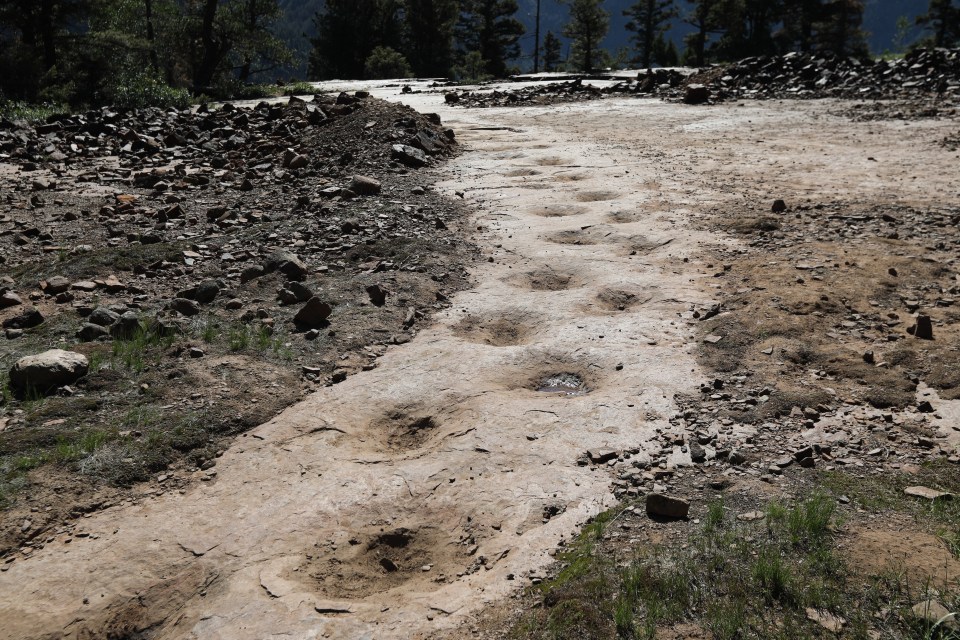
{"x":924,"y":329}
{"x":9,"y":299}
{"x":103,"y":317}
{"x":313,"y":315}
{"x":410,"y":156}
{"x":207,"y":291}
{"x":696,"y":94}
{"x":664,"y":506}
{"x":26,"y":320}
{"x":364,"y":186}
{"x":252,"y":273}
{"x":185,"y":306}
{"x":378,"y":295}
{"x":90,"y":332}
{"x":126,"y":326}
{"x":287,"y":263}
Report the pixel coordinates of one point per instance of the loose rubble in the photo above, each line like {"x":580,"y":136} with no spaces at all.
{"x":175,"y":250}
{"x":920,"y":74}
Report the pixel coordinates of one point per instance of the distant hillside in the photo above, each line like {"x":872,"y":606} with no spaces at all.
{"x":296,"y":27}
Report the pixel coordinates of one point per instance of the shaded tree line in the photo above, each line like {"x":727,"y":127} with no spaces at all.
{"x":133,"y":51}
{"x":427,"y":38}
{"x":723,"y":30}
{"x":163,"y":51}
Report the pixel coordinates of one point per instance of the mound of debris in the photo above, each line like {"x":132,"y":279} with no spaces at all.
{"x":212,"y":266}
{"x":798,"y":75}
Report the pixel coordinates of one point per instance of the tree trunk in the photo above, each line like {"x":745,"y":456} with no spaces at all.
{"x":48,"y":34}
{"x":536,"y":44}
{"x":210,"y":55}
{"x":151,"y":37}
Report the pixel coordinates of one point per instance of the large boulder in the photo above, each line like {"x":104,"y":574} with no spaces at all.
{"x":48,"y":370}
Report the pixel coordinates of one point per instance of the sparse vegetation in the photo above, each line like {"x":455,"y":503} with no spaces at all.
{"x":732,"y":579}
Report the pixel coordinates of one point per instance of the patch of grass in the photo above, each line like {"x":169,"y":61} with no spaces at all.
{"x":211,"y":329}
{"x":733,"y":579}
{"x":99,"y":262}
{"x":298,"y":89}
{"x":144,"y":345}
{"x":16,"y":110}
{"x":238,"y":337}
{"x":883,"y":492}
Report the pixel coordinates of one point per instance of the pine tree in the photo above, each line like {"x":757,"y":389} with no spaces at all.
{"x":800,"y":18}
{"x":256,"y":43}
{"x":429,"y":28}
{"x":840,"y":30}
{"x":490,"y":28}
{"x":665,"y":52}
{"x":551,"y":51}
{"x":649,"y":20}
{"x":588,"y":25}
{"x":347,"y":33}
{"x":705,"y":19}
{"x":747,"y":27}
{"x":943,"y":19}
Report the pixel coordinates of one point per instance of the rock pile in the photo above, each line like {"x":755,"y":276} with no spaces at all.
{"x":195,"y":205}
{"x":803,"y":75}
{"x":933,"y":72}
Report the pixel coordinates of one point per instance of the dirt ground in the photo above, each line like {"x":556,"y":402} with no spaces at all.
{"x":642,"y":321}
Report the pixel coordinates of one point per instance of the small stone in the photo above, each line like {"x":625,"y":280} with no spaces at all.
{"x":378,"y":295}
{"x":599,"y":456}
{"x":287,"y":263}
{"x":751,"y":516}
{"x":9,"y":299}
{"x":924,"y":329}
{"x":207,"y":291}
{"x":299,"y":162}
{"x":90,"y":332}
{"x":251,"y":273}
{"x":779,"y":206}
{"x":925,"y":407}
{"x":697,"y":453}
{"x":364,"y":186}
{"x":26,"y":320}
{"x":827,"y":620}
{"x":664,"y":506}
{"x":696,"y":94}
{"x":55,"y":285}
{"x":735,"y":457}
{"x":927,"y":493}
{"x":410,"y":156}
{"x":185,"y":307}
{"x":313,"y":314}
{"x":103,"y":317}
{"x":933,"y":613}
{"x":126,"y":326}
